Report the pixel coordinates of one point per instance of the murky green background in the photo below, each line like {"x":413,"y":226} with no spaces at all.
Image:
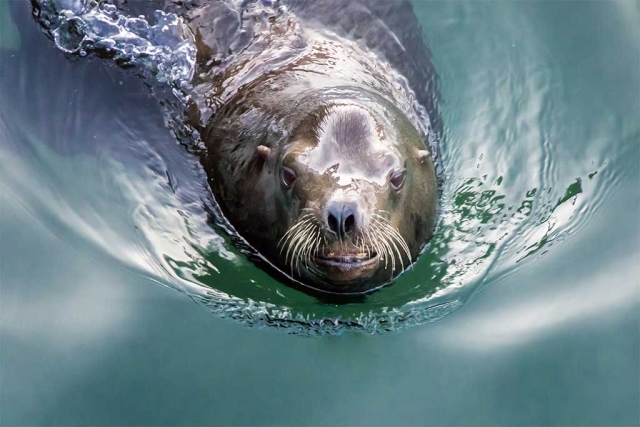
{"x":540,"y":238}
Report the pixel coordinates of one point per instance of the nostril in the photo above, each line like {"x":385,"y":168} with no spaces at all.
{"x":342,"y":218}
{"x":333,"y":223}
{"x":349,"y":224}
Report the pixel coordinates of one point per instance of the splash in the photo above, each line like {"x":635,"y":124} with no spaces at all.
{"x":489,"y":226}
{"x":163,"y":51}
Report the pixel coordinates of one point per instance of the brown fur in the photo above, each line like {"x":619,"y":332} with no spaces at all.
{"x":310,"y":102}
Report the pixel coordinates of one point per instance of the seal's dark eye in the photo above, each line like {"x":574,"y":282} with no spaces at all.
{"x":288,"y":177}
{"x":397,"y":179}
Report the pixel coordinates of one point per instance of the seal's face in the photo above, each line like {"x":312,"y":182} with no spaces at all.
{"x":359,"y":190}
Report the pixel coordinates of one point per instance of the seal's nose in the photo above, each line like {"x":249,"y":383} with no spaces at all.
{"x":342,"y":217}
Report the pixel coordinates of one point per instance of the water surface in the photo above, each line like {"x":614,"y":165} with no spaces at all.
{"x":105,"y":245}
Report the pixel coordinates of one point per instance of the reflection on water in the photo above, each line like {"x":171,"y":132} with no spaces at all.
{"x":527,"y":319}
{"x":515,"y":186}
{"x":537,"y":250}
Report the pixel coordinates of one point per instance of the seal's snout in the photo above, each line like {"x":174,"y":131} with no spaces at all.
{"x":342,"y":218}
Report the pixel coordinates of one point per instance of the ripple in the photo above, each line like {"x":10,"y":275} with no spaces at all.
{"x":514,"y":189}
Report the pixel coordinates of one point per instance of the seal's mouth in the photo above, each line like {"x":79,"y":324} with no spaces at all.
{"x":347,"y":261}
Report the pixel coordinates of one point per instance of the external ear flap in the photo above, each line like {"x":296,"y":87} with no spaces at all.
{"x":423,"y":155}
{"x":263,"y":151}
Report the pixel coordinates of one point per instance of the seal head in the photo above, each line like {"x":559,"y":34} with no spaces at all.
{"x":340,"y":194}
{"x":317,"y":153}
{"x":365,"y":195}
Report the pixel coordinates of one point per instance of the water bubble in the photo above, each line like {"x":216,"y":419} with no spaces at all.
{"x":74,"y":6}
{"x":163,"y":52}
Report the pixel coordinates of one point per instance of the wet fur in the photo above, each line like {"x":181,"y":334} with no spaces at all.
{"x":245,"y":113}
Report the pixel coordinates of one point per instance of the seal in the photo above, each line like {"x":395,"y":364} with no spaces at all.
{"x":318,"y":150}
{"x":317,"y":121}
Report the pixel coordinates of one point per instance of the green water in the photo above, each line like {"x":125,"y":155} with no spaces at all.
{"x":538,"y":249}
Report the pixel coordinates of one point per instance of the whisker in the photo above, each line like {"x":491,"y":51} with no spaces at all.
{"x":309,"y":246}
{"x":295,"y":258}
{"x":306,"y":252}
{"x":301,"y":221}
{"x":367,"y":231}
{"x":390,"y":230}
{"x":303,"y":252}
{"x":396,"y":234}
{"x":306,"y":239}
{"x":381,"y":244}
{"x":385,"y":241}
{"x":295,"y":242}
{"x":318,"y":241}
{"x":379,"y":248}
{"x":293,"y":230}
